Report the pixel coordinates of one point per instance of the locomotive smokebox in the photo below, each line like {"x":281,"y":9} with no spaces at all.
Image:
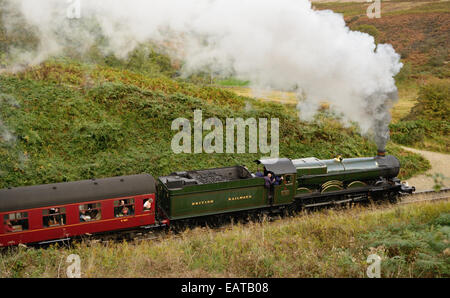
{"x":381,"y":153}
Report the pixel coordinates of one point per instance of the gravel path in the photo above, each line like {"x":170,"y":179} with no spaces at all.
{"x":440,"y":163}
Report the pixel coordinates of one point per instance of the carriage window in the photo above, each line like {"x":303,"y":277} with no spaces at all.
{"x":54,"y":217}
{"x":147,"y":204}
{"x":90,"y":212}
{"x":15,"y":222}
{"x":124,"y":207}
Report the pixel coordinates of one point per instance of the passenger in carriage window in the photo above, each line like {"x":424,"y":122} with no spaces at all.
{"x":94,"y":214}
{"x":60,"y":218}
{"x":51,"y":213}
{"x":147,"y":205}
{"x":18,"y":221}
{"x":119,"y":209}
{"x":8,"y":227}
{"x":83,"y":216}
{"x":56,"y":217}
{"x":125,"y":212}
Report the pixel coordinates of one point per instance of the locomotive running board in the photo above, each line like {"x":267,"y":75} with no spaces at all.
{"x":343,"y":201}
{"x":328,"y":203}
{"x":153,"y":226}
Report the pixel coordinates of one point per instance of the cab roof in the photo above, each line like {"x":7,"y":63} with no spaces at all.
{"x":278,"y":166}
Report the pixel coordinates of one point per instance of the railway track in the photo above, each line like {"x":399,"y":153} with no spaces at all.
{"x":422,"y":196}
{"x":425,"y":196}
{"x":160,"y":235}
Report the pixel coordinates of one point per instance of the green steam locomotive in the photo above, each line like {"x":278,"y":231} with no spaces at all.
{"x":306,"y":182}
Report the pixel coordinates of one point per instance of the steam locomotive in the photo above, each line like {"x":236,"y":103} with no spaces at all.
{"x":57,"y":212}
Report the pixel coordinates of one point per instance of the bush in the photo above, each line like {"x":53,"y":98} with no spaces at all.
{"x":369,"y":29}
{"x":422,"y":133}
{"x":405,"y":73}
{"x":408,"y":132}
{"x":100,"y":136}
{"x":421,"y":245}
{"x":434,"y":103}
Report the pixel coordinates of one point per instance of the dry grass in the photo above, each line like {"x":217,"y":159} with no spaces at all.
{"x":322,"y":244}
{"x":407,"y":98}
{"x":267,"y":95}
{"x":358,"y":8}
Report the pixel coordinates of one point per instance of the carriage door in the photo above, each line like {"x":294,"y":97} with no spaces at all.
{"x":284,"y":193}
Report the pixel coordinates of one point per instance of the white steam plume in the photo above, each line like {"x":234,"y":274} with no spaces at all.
{"x":282,"y":44}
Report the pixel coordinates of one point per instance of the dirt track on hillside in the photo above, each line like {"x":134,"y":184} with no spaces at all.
{"x":440,"y":163}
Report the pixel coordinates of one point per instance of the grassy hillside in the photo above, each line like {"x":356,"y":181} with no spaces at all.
{"x":418,"y":30}
{"x":412,"y":241}
{"x":427,"y":125}
{"x":78,"y":121}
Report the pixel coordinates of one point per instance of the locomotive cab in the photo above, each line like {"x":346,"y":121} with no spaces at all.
{"x":282,"y":192}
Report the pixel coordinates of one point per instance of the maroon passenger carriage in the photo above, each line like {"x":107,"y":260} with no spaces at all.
{"x":45,"y":213}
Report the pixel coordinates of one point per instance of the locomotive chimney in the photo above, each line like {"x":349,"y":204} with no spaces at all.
{"x":381,"y":153}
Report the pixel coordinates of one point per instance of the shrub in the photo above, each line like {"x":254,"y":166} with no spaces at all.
{"x":408,"y":132}
{"x":417,"y":246}
{"x":405,"y":73}
{"x":369,"y":29}
{"x":433,"y":102}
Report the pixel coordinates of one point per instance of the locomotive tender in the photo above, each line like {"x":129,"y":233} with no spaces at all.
{"x":55,"y":212}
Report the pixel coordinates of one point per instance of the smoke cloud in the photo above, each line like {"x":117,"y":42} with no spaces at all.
{"x":282,"y":44}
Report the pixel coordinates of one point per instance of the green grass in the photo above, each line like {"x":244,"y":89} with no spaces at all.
{"x":426,"y":126}
{"x":426,"y":245}
{"x":233,"y":82}
{"x":412,"y":240}
{"x":422,"y":134}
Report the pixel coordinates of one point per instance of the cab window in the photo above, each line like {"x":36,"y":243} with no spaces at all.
{"x":288,"y":179}
{"x":15,"y":222}
{"x":54,"y":217}
{"x":90,"y":212}
{"x":124,"y":207}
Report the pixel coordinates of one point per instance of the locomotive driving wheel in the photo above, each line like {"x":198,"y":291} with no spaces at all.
{"x":393,"y":197}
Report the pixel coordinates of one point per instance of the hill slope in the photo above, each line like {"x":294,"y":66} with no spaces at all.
{"x":78,"y":121}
